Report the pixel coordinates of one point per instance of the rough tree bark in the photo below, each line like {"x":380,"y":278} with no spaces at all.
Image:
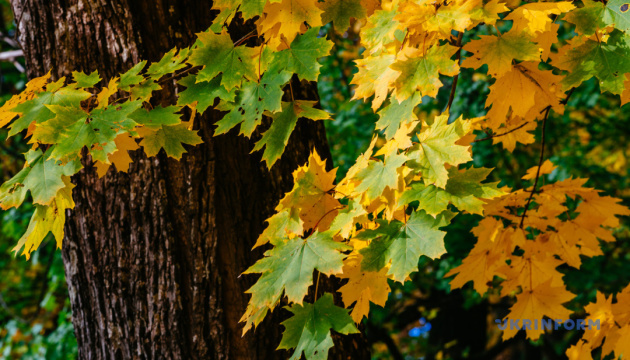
{"x":153,"y":258}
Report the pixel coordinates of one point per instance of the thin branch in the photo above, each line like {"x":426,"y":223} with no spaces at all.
{"x":502,"y":134}
{"x":451,"y":97}
{"x":244,"y":38}
{"x":540,"y":162}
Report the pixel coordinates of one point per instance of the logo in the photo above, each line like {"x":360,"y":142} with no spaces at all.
{"x":547,"y":324}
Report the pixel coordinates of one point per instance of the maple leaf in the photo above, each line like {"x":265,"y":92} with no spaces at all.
{"x":547,"y":167}
{"x":340,"y":12}
{"x":379,"y":30}
{"x":456,"y":15}
{"x":402,"y":244}
{"x":283,"y":224}
{"x":287,"y":18}
{"x":86,"y":81}
{"x":542,"y":300}
{"x":498,"y":52}
{"x":169,"y":63}
{"x":463,"y":189}
{"x":579,"y":351}
{"x":396,"y":113}
{"x":251,"y":102}
{"x":516,"y":130}
{"x":437,"y":148}
{"x":346,"y":218}
{"x":203,"y":93}
{"x":218,"y":55}
{"x":132,"y":77}
{"x":534,"y":17}
{"x":36,"y":110}
{"x":301,"y":57}
{"x":489,"y":13}
{"x":289,"y":266}
{"x":375,"y":77}
{"x":308,"y":330}
{"x":311,"y":194}
{"x":47,"y":219}
{"x":124,"y":143}
{"x":168,"y":137}
{"x":277,"y":136}
{"x":33,"y":87}
{"x":157,"y":116}
{"x":379,"y":175}
{"x":363,"y":287}
{"x":607,"y":61}
{"x":616,"y":13}
{"x":587,"y":19}
{"x":421,"y":72}
{"x":527,"y":89}
{"x":482,"y":263}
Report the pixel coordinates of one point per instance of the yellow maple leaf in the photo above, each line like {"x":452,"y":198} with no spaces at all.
{"x":363,"y":287}
{"x":546,"y":168}
{"x":32,"y":88}
{"x":516,"y":130}
{"x":579,"y":351}
{"x":534,"y":17}
{"x":287,"y":19}
{"x":543,"y":300}
{"x":498,"y":52}
{"x":124,"y":143}
{"x":375,"y":77}
{"x":312,"y":194}
{"x":525,"y":90}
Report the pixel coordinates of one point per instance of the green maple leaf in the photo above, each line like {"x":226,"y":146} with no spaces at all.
{"x":157,"y":116}
{"x":301,"y":57}
{"x":380,"y":29}
{"x":608,"y":62}
{"x":132,"y":77}
{"x":587,"y":19}
{"x":423,"y":73}
{"x":308,"y":330}
{"x":290,"y":264}
{"x":144,"y":90}
{"x":402,"y":244}
{"x":13,"y":192}
{"x":340,"y":12}
{"x":86,"y":81}
{"x":430,"y":198}
{"x":275,"y":139}
{"x":252,"y":101}
{"x":36,"y":109}
{"x":617,"y":13}
{"x":463,"y":189}
{"x":169,"y":63}
{"x":437,"y":148}
{"x":43,"y":176}
{"x":170,"y":138}
{"x":379,"y":175}
{"x":218,"y":55}
{"x":204,"y":93}
{"x":394,"y":114}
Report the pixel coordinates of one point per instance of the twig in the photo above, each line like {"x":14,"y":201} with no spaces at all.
{"x":502,"y":134}
{"x":451,"y":97}
{"x":540,"y":162}
{"x":248,"y":36}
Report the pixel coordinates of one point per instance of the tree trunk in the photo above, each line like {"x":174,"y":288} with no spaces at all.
{"x":153,"y":257}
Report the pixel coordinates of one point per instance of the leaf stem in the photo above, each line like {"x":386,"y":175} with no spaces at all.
{"x":540,"y":162}
{"x":502,"y":134}
{"x":316,"y":286}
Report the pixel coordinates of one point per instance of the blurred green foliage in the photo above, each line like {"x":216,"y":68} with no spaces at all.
{"x":35,"y":317}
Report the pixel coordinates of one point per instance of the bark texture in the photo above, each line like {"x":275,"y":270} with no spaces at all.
{"x":153,"y":257}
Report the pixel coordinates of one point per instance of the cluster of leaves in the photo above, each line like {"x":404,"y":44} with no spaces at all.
{"x":387,"y":211}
